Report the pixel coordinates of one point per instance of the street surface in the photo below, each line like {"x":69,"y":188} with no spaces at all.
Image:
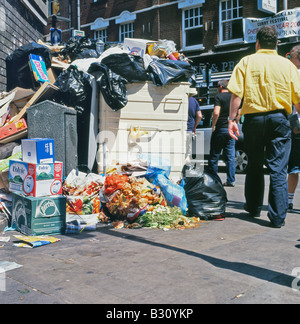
{"x":236,"y":261}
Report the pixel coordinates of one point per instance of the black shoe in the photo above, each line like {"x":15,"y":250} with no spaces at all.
{"x":291,"y":207}
{"x":277,"y":226}
{"x":255,"y":214}
{"x":228,"y":184}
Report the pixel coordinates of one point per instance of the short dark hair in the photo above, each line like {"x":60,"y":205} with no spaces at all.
{"x":223,"y":83}
{"x":267,"y":37}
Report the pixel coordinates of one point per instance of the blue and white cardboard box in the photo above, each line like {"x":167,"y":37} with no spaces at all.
{"x":38,"y":150}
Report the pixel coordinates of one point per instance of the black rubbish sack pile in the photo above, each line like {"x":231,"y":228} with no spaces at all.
{"x":163,"y":72}
{"x":111,"y":85}
{"x":17,"y":67}
{"x":130,"y":67}
{"x":205,"y":194}
{"x":80,"y":48}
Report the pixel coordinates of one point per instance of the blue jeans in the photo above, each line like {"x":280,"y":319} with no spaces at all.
{"x":221,"y":140}
{"x":267,"y":140}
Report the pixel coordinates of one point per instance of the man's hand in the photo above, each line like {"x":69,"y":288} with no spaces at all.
{"x":296,"y":130}
{"x":233,"y":129}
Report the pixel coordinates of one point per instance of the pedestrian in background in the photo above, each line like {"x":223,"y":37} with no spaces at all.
{"x":269,"y":85}
{"x":194,"y":118}
{"x":220,"y":139}
{"x":294,"y":162}
{"x":194,"y":115}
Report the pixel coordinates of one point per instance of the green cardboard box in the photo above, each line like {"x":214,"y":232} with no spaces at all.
{"x":39,"y":216}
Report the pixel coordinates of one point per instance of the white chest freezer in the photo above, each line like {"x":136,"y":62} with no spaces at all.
{"x":154,"y":121}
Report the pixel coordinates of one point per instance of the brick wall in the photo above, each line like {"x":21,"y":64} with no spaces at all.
{"x":17,"y":27}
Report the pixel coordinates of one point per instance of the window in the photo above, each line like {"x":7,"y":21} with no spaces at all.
{"x":101,"y":34}
{"x":126,"y":31}
{"x":231,"y":21}
{"x":192,"y":28}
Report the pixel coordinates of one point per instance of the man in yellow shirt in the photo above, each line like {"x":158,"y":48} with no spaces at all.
{"x":269,"y":85}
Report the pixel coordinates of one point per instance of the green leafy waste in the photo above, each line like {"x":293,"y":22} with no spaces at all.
{"x":166,"y":217}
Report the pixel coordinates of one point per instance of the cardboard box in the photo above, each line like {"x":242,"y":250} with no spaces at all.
{"x":13,"y":131}
{"x":38,"y":68}
{"x":136,"y":46}
{"x":45,"y":92}
{"x":38,"y":150}
{"x":39,"y":216}
{"x":36,"y":180}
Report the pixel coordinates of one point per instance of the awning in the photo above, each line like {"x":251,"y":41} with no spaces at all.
{"x":211,"y":54}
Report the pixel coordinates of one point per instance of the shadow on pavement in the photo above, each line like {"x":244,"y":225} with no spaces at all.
{"x":240,"y":267}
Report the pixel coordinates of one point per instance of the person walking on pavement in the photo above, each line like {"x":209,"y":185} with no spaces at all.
{"x":220,"y":139}
{"x":194,"y":118}
{"x":294,"y":161}
{"x":269,"y":85}
{"x":194,"y":115}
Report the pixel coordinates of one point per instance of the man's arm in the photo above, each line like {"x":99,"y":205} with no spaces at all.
{"x":198,"y":119}
{"x":215,"y":117}
{"x":235,"y":104}
{"x":297,"y":106}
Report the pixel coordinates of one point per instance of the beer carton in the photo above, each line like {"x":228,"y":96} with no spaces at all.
{"x":39,"y":216}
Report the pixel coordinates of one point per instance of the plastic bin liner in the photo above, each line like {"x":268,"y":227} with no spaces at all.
{"x":17,"y":65}
{"x":205,"y":194}
{"x":173,"y":193}
{"x":165,"y":71}
{"x":111,"y":85}
{"x":75,"y":88}
{"x":156,"y":164}
{"x":80,"y":48}
{"x":128,"y":66}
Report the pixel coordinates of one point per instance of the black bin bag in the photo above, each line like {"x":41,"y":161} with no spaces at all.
{"x":79,"y":48}
{"x":128,"y":66}
{"x":17,"y":65}
{"x":112,"y":86}
{"x":205,"y":194}
{"x":164,"y":71}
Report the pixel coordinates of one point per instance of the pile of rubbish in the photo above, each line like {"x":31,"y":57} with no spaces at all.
{"x":149,"y":200}
{"x":64,"y":74}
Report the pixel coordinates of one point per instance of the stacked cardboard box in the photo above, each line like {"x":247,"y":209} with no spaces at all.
{"x":36,"y":183}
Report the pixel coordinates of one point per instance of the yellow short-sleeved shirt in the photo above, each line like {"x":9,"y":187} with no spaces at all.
{"x":266,"y":81}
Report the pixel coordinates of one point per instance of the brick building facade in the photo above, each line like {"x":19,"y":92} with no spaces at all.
{"x":206,"y":31}
{"x":21,"y":22}
{"x":209,"y":32}
{"x":194,"y":25}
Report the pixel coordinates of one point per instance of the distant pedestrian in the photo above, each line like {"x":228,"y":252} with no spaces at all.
{"x":194,"y":115}
{"x":294,"y":162}
{"x":269,"y":85}
{"x":194,"y":118}
{"x":220,"y":139}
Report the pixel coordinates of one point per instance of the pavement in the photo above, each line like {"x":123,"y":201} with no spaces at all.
{"x":236,"y":261}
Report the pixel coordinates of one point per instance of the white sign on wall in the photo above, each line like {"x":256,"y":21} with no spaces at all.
{"x":286,"y":22}
{"x":268,"y":6}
